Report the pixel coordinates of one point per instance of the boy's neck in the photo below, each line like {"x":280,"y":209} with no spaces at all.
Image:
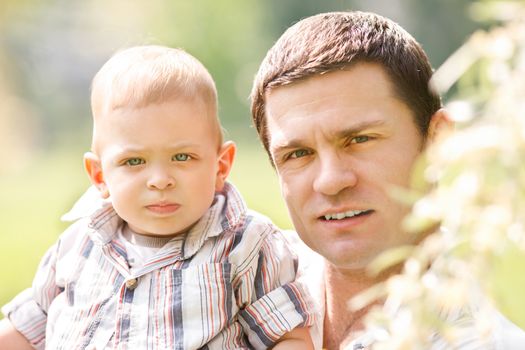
{"x":144,"y":240}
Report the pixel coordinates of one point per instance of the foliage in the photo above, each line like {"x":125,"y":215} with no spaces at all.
{"x":49,"y":52}
{"x":477,"y":195}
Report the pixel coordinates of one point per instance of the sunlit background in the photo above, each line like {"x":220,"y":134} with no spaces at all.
{"x":49,"y":51}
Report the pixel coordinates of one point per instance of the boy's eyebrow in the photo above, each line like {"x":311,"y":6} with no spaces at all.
{"x":138,"y":148}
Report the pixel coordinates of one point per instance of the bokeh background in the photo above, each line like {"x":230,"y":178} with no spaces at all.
{"x":50,"y":50}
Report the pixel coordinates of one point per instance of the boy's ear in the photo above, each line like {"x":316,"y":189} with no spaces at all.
{"x":226,"y":156}
{"x":441,"y":124}
{"x":94,"y":170}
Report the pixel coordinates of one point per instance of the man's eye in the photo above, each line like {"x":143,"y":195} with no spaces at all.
{"x":135,"y":161}
{"x":181,"y":157}
{"x":298,"y":153}
{"x":359,"y":139}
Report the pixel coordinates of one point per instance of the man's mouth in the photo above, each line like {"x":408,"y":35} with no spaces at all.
{"x":345,"y":215}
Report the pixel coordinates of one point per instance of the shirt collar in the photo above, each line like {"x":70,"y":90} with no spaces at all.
{"x":227,"y":211}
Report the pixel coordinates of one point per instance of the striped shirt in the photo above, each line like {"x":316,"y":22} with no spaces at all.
{"x":228,"y":283}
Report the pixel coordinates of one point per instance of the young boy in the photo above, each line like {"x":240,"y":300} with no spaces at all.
{"x":172,"y":259}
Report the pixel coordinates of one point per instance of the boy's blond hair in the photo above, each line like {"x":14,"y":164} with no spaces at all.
{"x":143,"y":75}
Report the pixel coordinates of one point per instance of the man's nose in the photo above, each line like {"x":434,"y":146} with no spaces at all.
{"x":160,"y":179}
{"x":334,"y":175}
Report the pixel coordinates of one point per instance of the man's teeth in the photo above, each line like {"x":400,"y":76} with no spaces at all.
{"x":340,"y":216}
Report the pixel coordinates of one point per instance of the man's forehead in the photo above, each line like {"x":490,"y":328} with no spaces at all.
{"x":360,"y":82}
{"x":286,"y":99}
{"x":298,"y":115}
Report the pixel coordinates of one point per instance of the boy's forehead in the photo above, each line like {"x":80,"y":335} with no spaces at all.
{"x":111,"y":116}
{"x":127,"y":124}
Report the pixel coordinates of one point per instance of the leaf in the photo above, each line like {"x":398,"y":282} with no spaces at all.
{"x":368,"y":296}
{"x":390,"y":258}
{"x":506,"y":283}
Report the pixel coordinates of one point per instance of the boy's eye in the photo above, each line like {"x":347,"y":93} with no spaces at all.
{"x":181,"y":157}
{"x":359,"y":139}
{"x":299,"y":153}
{"x":135,"y":161}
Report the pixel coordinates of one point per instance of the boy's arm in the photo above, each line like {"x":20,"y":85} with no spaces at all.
{"x":24,"y":325}
{"x":278,"y":305}
{"x":298,"y":338}
{"x":10,"y":338}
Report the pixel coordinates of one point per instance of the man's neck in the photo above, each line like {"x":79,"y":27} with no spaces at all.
{"x":341,"y":324}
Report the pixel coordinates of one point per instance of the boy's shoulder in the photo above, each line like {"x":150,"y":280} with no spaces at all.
{"x":259,"y":231}
{"x":260,"y":225}
{"x":101,"y":226}
{"x":75,"y":230}
{"x":258,"y":218}
{"x":85,"y":206}
{"x":237,"y":217}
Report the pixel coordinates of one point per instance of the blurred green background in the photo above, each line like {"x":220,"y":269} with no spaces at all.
{"x":49,"y":51}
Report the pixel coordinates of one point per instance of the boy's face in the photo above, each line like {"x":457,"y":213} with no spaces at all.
{"x":159,"y":165}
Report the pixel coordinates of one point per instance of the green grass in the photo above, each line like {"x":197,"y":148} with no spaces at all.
{"x":257,"y":181}
{"x":34,"y":197}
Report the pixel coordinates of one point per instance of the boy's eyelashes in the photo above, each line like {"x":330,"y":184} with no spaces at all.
{"x":135,"y":161}
{"x":181,"y":157}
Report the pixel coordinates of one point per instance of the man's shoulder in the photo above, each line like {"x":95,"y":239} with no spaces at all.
{"x":508,"y":335}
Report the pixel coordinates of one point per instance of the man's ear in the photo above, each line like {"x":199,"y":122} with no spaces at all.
{"x":94,"y":170}
{"x":440,"y":125}
{"x":226,"y":156}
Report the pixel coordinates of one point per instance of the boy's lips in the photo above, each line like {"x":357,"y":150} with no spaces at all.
{"x":163,"y":208}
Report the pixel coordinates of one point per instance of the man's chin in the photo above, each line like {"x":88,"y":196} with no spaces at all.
{"x":347,"y":261}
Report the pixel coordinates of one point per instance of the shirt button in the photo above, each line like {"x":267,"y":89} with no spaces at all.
{"x":131,"y":284}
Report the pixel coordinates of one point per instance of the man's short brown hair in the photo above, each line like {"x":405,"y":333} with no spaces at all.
{"x":337,"y":40}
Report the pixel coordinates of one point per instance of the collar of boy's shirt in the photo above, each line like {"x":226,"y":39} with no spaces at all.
{"x":227,"y":211}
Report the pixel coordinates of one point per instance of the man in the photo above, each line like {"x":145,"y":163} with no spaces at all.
{"x":343,"y":106}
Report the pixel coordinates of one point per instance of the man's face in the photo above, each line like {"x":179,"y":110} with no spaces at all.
{"x":339,"y":142}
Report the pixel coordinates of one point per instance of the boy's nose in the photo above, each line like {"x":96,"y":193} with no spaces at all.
{"x":160,"y":180}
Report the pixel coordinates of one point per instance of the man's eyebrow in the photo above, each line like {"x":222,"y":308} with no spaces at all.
{"x":359,"y":127}
{"x":351,"y":130}
{"x":286,"y":145}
